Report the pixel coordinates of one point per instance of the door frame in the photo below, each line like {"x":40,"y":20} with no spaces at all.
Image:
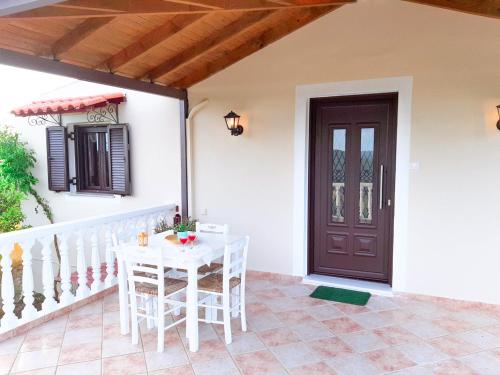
{"x":390,"y":164}
{"x":404,"y":87}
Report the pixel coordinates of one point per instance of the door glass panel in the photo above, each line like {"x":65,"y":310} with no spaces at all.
{"x":338,"y":179}
{"x":366,"y":175}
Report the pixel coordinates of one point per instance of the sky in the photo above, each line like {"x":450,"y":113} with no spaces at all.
{"x":21,"y":86}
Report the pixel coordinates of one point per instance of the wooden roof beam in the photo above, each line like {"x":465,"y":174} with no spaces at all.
{"x":41,"y":64}
{"x":487,"y":8}
{"x":79,"y":34}
{"x":234,"y":29}
{"x":90,"y":8}
{"x":150,"y":40}
{"x":292,"y":20}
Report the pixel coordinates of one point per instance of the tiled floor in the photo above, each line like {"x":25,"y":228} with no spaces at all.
{"x":288,"y":333}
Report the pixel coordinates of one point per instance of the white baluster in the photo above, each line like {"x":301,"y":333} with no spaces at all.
{"x":66,"y":296}
{"x":110,"y":259}
{"x":49,"y":304}
{"x":29,"y":311}
{"x":96,"y":262}
{"x":81,"y":267}
{"x":9,"y":320}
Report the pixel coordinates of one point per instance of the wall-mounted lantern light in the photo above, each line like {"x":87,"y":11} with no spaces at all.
{"x":233,"y":123}
{"x":498,"y":122}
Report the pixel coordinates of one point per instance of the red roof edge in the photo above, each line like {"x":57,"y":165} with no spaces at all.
{"x":68,"y":105}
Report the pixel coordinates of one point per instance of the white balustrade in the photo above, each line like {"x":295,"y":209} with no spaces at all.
{"x":110,"y":259}
{"x":79,"y":242}
{"x":29,"y":311}
{"x":49,"y":304}
{"x":8,"y":292}
{"x":96,"y":262}
{"x":66,"y":296}
{"x":81,"y":267}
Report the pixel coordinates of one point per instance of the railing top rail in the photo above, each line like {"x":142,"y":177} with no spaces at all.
{"x":76,"y":225}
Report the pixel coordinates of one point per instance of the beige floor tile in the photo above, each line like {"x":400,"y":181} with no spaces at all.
{"x":354,"y":364}
{"x":245,"y":343}
{"x":342,"y":325}
{"x":35,"y":360}
{"x":121,"y":346}
{"x":330,"y":348}
{"x":83,"y":352}
{"x":363,"y":341}
{"x":6,"y":362}
{"x":130,"y":364}
{"x":219,"y":366}
{"x":181,"y":370}
{"x":170,"y":357}
{"x":389,"y":359}
{"x":87,"y":368}
{"x":262,"y":362}
{"x":278,"y":336}
{"x":42,"y":341}
{"x":318,"y":368}
{"x":293,"y":355}
{"x":313,"y":330}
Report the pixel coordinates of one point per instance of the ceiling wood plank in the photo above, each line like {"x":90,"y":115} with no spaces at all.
{"x":211,"y":4}
{"x":487,"y":8}
{"x":234,"y":29}
{"x":150,"y":40}
{"x":292,"y":20}
{"x":90,"y":8}
{"x":79,"y":34}
{"x":41,"y":64}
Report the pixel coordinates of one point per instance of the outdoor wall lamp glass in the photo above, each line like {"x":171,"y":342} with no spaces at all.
{"x":498,"y":122}
{"x":233,"y":123}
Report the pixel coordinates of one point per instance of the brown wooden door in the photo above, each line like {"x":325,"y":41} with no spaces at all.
{"x":351,"y":186}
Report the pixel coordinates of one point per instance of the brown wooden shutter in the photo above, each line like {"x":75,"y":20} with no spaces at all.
{"x":57,"y":158}
{"x":119,"y":159}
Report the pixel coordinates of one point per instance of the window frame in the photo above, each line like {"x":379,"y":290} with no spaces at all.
{"x":80,"y":158}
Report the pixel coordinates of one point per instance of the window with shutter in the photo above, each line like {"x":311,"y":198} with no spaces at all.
{"x":102,"y":159}
{"x":57,"y":158}
{"x":119,"y":159}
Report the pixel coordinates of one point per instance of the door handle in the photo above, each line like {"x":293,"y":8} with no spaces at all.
{"x":381,"y":188}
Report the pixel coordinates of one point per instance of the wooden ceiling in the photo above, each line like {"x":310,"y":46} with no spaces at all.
{"x":174,"y":43}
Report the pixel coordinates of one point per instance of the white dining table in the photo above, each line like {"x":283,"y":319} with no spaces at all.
{"x":207,"y":248}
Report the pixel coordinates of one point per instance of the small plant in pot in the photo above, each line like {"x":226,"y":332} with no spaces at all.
{"x":185,"y":226}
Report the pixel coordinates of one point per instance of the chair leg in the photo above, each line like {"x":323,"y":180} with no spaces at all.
{"x":226,"y":312}
{"x":235,"y":300}
{"x":208,"y":310}
{"x":135,"y":324}
{"x":243,"y":312}
{"x":176,"y":297}
{"x":148,"y":302}
{"x":161,"y":324}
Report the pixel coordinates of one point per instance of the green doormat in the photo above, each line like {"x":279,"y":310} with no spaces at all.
{"x":341,"y":295}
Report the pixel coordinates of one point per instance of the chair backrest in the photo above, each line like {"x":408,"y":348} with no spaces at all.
{"x":212,"y":228}
{"x":144,"y":265}
{"x":235,"y":259}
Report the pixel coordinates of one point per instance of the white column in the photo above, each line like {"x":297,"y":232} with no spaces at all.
{"x":29,"y":311}
{"x":110,"y":259}
{"x":96,"y":262}
{"x":49,"y":304}
{"x":66,"y":296}
{"x":9,"y":320}
{"x":81,"y":267}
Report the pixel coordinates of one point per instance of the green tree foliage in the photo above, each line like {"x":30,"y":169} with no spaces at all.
{"x":17,"y":161}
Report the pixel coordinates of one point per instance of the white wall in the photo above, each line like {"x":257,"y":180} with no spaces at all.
{"x":154,"y":150}
{"x":247,"y":181}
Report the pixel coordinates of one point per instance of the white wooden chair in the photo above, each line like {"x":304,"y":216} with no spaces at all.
{"x":211,"y":228}
{"x":147,"y":281}
{"x":231,"y":283}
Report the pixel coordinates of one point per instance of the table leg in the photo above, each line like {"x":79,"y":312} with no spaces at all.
{"x":192,"y":309}
{"x":123,"y":297}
